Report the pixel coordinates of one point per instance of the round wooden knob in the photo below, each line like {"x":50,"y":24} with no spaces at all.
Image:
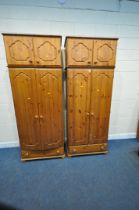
{"x":95,"y":62}
{"x":38,"y":61}
{"x":30,"y":61}
{"x":57,"y":151}
{"x":36,"y":116}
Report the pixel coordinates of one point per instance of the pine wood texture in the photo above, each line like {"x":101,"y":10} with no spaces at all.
{"x":90,"y":52}
{"x":104,"y":53}
{"x":37,"y":95}
{"x":87,"y":149}
{"x":33,"y":51}
{"x":89,"y":92}
{"x":49,"y":87}
{"x":24,"y":94}
{"x":79,"y":52}
{"x":78,"y":93}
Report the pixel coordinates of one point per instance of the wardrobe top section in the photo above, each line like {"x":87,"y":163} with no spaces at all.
{"x":85,"y":37}
{"x":90,"y":52}
{"x":32,"y":50}
{"x":33,"y":35}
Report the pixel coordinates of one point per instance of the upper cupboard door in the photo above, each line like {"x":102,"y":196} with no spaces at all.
{"x":19,"y":50}
{"x":23,"y":84}
{"x":49,"y":83}
{"x":78,"y":94}
{"x":104,"y":52}
{"x":47,"y":51}
{"x":79,"y":52}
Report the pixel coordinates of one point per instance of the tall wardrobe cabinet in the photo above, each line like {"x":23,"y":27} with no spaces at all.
{"x":90,"y":69}
{"x":36,"y":79}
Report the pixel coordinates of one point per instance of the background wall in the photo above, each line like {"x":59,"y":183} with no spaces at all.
{"x":109,"y":18}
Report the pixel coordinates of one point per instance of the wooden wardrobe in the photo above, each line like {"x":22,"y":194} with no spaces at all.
{"x":90,"y":69}
{"x":36,"y":79}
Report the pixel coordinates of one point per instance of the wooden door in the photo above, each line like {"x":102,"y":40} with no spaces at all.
{"x":24,"y":93}
{"x":78,"y":101}
{"x":104,"y":52}
{"x":49,"y":85}
{"x":47,"y":51}
{"x":19,"y":50}
{"x":79,"y":52}
{"x":101,"y":92}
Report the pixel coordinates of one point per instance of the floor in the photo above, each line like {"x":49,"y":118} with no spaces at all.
{"x":95,"y":182}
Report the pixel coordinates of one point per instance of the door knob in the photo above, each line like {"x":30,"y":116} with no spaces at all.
{"x":36,"y":116}
{"x":92,"y":114}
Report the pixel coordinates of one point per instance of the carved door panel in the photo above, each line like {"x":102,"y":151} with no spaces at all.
{"x":49,"y":83}
{"x":104,"y":52}
{"x":47,"y":51}
{"x":78,"y":94}
{"x":24,"y":93}
{"x":79,"y":52}
{"x":19,"y":50}
{"x":100,"y":105}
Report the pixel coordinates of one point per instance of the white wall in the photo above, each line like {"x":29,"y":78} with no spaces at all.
{"x":109,"y":18}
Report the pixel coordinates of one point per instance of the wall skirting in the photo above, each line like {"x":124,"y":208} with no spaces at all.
{"x":111,"y":137}
{"x":122,"y":136}
{"x":9,"y":144}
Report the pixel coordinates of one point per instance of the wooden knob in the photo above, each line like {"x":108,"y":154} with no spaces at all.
{"x":36,"y":116}
{"x":30,"y":61}
{"x":38,"y":61}
{"x":57,"y":151}
{"x":87,"y":114}
{"x":95,"y":62}
{"x":92,"y":114}
{"x":89,"y":62}
{"x":41,"y":116}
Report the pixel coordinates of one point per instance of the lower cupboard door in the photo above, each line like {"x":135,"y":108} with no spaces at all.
{"x":23,"y":85}
{"x":78,"y":102}
{"x":100,"y":105}
{"x":49,"y":86}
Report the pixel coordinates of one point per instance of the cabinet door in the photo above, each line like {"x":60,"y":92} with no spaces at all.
{"x":104,"y":52}
{"x":24,"y":93}
{"x":79,"y":52}
{"x":78,"y":94}
{"x":47,"y":51}
{"x":100,"y":105}
{"x":19,"y":50}
{"x":49,"y":83}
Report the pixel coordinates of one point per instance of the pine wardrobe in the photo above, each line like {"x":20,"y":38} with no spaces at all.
{"x":35,"y":70}
{"x":90,"y":69}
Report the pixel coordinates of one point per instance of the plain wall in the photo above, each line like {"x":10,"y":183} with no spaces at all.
{"x":109,"y":18}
